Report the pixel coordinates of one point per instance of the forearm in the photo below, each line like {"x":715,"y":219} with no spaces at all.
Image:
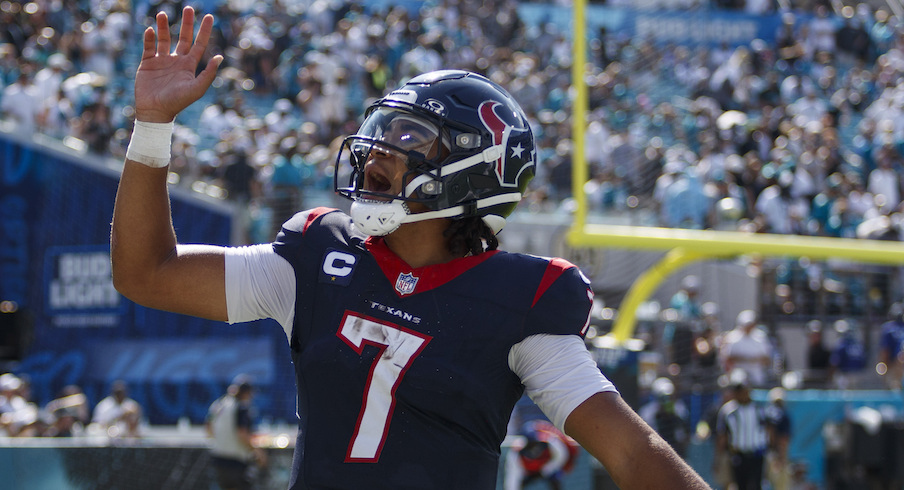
{"x":635,"y":456}
{"x":142,"y":238}
{"x":652,"y":463}
{"x":658,"y":466}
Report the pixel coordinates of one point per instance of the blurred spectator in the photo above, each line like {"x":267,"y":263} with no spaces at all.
{"x":242,"y":185}
{"x":730,"y":201}
{"x":56,"y":116}
{"x":231,"y":428}
{"x":778,"y":424}
{"x":282,"y":180}
{"x":667,"y":415}
{"x":822,"y":205}
{"x":117,"y":414}
{"x":95,"y":128}
{"x":280,"y":120}
{"x":810,"y":108}
{"x":9,"y":387}
{"x":9,"y":65}
{"x":239,"y":177}
{"x":63,"y":422}
{"x":49,"y":80}
{"x":69,"y":413}
{"x":891,"y":347}
{"x":881,"y":34}
{"x":685,"y":204}
{"x":822,"y":28}
{"x":884,"y":182}
{"x":780,"y":211}
{"x":848,"y":357}
{"x":19,"y":416}
{"x":679,"y":335}
{"x":843,"y":218}
{"x":706,"y":352}
{"x":852,"y":38}
{"x":747,"y":348}
{"x":818,"y":355}
{"x":98,"y":46}
{"x":218,"y":118}
{"x":686,"y":301}
{"x":71,"y":397}
{"x":789,"y":45}
{"x":20,"y":104}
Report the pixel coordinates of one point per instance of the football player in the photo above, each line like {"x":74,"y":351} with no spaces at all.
{"x":412,"y":336}
{"x":541,"y":453}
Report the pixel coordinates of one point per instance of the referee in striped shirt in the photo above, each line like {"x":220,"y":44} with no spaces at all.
{"x":741,"y":430}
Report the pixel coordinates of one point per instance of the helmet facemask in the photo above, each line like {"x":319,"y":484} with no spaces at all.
{"x":414,"y":140}
{"x":422,"y":142}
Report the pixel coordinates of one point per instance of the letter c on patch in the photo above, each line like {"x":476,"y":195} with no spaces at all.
{"x":338,"y":263}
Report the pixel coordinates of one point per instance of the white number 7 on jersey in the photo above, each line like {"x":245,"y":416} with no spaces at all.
{"x":398,"y":348}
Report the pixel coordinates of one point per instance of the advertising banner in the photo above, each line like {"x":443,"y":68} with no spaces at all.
{"x":55,"y":212}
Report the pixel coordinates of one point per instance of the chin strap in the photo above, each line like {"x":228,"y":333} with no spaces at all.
{"x":460,"y":210}
{"x":380,"y":218}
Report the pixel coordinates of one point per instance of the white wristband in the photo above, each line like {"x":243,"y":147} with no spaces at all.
{"x":151,"y":143}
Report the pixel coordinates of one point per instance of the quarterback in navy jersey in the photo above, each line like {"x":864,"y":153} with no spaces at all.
{"x":412,"y":336}
{"x":427,"y":348}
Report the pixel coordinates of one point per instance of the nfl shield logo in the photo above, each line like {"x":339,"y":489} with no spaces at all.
{"x":405,"y":284}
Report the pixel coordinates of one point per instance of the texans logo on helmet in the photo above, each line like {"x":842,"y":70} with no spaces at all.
{"x":501,"y":132}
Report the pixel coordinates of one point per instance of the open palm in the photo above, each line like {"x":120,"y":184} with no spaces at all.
{"x":166,"y":82}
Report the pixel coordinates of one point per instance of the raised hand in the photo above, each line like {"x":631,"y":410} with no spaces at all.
{"x":165,"y":82}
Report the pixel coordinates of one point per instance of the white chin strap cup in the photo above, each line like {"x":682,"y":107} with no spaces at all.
{"x":378,"y":218}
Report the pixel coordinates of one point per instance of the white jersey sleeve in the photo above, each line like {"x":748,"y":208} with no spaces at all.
{"x":259,"y":284}
{"x":558,"y":373}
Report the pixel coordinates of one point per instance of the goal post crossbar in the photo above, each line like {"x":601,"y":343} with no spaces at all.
{"x":686,"y":246}
{"x":731,"y":243}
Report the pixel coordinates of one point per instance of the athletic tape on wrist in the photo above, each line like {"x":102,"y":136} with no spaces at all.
{"x":151,"y":143}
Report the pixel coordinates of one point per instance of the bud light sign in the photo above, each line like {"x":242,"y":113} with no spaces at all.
{"x":79,"y":287}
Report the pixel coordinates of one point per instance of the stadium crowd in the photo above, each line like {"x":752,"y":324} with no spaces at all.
{"x":796,"y":134}
{"x":70,"y":414}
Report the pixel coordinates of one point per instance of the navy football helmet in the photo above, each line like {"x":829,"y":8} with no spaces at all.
{"x":486,"y":154}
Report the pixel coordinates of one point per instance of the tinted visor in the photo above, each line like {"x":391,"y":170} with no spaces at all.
{"x":398,"y":131}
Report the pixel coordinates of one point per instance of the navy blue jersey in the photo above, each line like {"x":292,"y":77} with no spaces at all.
{"x":402,"y":373}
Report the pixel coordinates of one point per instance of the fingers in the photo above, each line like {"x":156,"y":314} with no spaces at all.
{"x":206,"y":77}
{"x":204,"y":31}
{"x":163,"y":34}
{"x":186,"y":31}
{"x":150,"y":43}
{"x":157,"y":44}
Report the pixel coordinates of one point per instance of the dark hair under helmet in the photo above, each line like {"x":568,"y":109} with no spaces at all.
{"x":486,"y":159}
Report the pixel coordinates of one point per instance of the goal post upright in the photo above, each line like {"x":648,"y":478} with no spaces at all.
{"x":579,"y":171}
